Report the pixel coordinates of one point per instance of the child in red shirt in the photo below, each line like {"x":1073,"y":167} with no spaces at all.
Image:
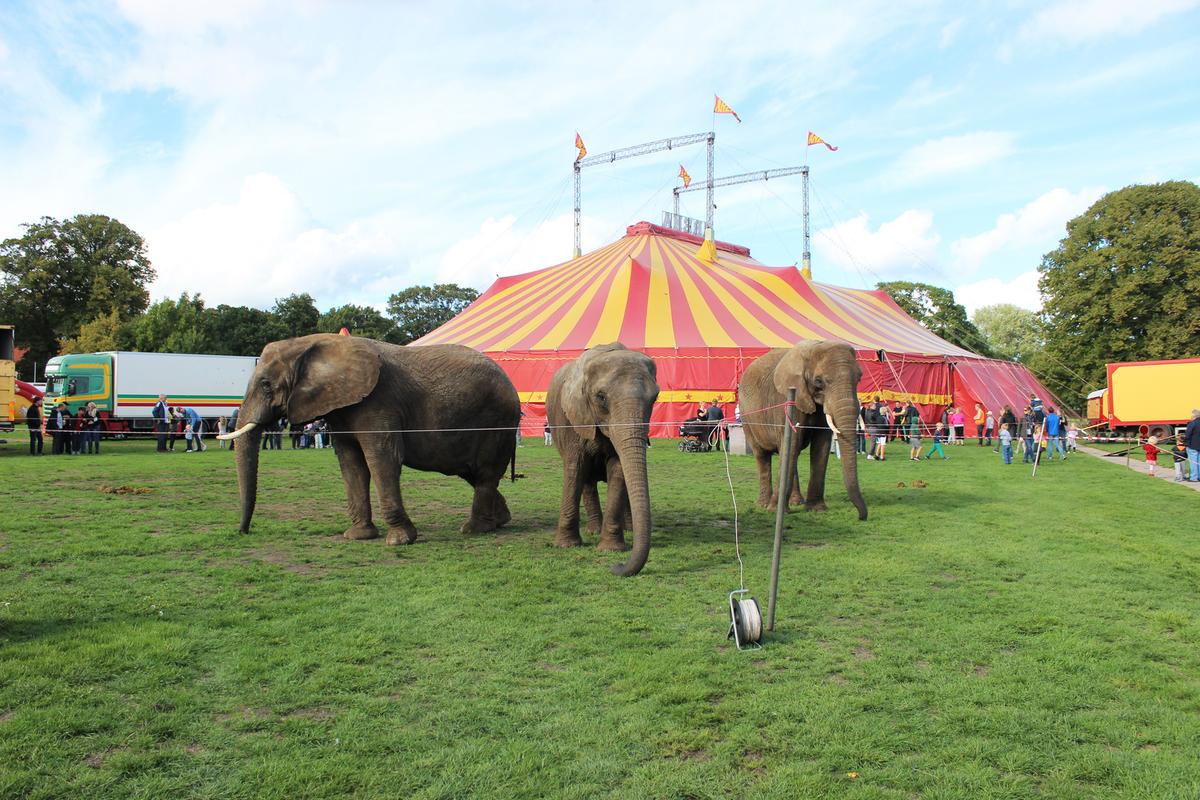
{"x":1151,"y":449}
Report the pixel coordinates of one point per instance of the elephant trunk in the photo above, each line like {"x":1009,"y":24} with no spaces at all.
{"x":845,"y":417}
{"x":630,"y":445}
{"x":247,"y":469}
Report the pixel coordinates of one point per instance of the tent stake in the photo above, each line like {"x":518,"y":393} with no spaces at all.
{"x":785,"y":490}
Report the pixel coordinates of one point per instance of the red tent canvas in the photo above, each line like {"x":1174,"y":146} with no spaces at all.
{"x":703,"y":322}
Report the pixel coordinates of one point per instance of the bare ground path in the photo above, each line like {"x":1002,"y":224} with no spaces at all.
{"x":1165,"y":471}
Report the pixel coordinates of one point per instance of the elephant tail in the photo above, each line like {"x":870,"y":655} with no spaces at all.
{"x":513,"y":479}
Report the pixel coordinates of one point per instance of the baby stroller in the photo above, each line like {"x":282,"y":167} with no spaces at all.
{"x":696,"y":437}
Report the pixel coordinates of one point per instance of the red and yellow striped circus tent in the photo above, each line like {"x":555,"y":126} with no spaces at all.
{"x":704,"y":320}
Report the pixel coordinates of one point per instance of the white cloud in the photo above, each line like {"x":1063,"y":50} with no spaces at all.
{"x":500,"y":249}
{"x":903,"y":245}
{"x":1081,"y":20}
{"x":1020,"y":291}
{"x":1041,"y":222}
{"x":950,"y":33}
{"x":951,"y":154}
{"x":921,"y":93}
{"x":264,"y":245}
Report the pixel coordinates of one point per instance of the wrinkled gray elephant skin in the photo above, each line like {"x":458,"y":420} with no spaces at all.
{"x":442,"y":408}
{"x":599,"y":409}
{"x":826,"y":376}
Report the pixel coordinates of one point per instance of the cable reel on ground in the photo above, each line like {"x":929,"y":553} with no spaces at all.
{"x":745,"y":620}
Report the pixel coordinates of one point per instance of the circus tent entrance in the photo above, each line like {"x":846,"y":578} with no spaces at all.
{"x":703,"y":321}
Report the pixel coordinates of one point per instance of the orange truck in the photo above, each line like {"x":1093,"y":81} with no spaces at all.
{"x":1146,"y":398}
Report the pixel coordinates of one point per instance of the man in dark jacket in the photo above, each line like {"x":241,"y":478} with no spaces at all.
{"x":33,"y":418}
{"x":714,"y":416}
{"x":1191,"y":440}
{"x":162,"y":418}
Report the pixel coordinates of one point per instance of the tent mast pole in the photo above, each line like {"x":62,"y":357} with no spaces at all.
{"x":708,"y":220}
{"x":806,"y":262}
{"x":578,"y":250}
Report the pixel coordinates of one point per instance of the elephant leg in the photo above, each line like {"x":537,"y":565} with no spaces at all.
{"x":612,"y":538}
{"x":358,"y":488}
{"x":500,"y":510}
{"x":818,"y":460}
{"x":384,"y":460}
{"x":628,"y":525}
{"x":766,"y":492}
{"x":796,"y":497}
{"x":484,"y":508}
{"x":567,"y":534}
{"x":591,"y":504}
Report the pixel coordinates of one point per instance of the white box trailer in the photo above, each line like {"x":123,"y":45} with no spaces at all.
{"x":125,"y":386}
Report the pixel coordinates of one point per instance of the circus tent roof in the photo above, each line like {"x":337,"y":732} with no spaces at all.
{"x":651,"y":289}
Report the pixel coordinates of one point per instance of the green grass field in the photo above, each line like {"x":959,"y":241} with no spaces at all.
{"x":989,"y":636}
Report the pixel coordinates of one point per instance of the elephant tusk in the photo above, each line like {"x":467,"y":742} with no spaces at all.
{"x":249,"y":426}
{"x":832,"y":427}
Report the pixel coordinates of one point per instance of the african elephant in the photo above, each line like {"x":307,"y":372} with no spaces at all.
{"x":599,"y":409}
{"x":826,"y":375}
{"x":441,"y":408}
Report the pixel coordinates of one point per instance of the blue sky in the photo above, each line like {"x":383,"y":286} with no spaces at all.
{"x":354,"y":149}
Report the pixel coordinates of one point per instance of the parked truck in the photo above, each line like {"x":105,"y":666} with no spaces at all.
{"x":1146,"y":398}
{"x":8,"y":377}
{"x":126,"y":386}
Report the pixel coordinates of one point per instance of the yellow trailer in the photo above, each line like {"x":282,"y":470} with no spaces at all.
{"x":8,"y":377}
{"x":1152,"y":396}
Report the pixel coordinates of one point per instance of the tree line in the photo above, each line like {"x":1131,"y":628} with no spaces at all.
{"x":1122,"y":285}
{"x":80,"y":285}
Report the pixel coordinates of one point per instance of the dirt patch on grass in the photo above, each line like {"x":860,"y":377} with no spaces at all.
{"x":193,"y":749}
{"x":125,"y":489}
{"x":286,"y":560}
{"x":837,"y":678}
{"x":982,"y":670}
{"x":548,"y":667}
{"x":246,"y":713}
{"x":5,"y":716}
{"x":863,"y":653}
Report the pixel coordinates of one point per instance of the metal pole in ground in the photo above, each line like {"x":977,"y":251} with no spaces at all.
{"x":1037,"y":448}
{"x":785,"y":489}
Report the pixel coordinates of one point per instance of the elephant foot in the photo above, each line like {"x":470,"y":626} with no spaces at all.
{"x":594,"y":527}
{"x":360,"y":532}
{"x":817,"y":506}
{"x":765,"y":502}
{"x":612,"y":543}
{"x":796,"y":500}
{"x":401,"y":535}
{"x":565,"y":539}
{"x":474,"y":525}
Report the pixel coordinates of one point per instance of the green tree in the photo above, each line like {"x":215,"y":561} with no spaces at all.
{"x":1123,"y":284}
{"x":241,"y":331}
{"x":297,"y":315}
{"x":936,"y":309}
{"x":360,"y":321}
{"x":420,"y":309}
{"x":106,"y":332}
{"x":60,"y":275}
{"x":1011,"y":332}
{"x":173,"y":326}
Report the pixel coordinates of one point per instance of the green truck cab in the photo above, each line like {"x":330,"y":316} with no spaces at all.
{"x":80,"y":379}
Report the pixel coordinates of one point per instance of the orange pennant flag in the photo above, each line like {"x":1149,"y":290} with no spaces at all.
{"x":582,"y":149}
{"x":687,"y":179}
{"x":814,"y":139}
{"x":721,"y":107}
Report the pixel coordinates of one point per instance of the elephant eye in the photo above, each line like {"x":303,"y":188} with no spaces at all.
{"x":819,"y":382}
{"x":602,"y":398}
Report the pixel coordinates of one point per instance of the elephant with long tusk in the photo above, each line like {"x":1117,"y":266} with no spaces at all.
{"x":825,"y":375}
{"x":441,"y":408}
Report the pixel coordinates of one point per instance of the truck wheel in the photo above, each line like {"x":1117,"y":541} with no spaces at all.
{"x":1159,"y":431}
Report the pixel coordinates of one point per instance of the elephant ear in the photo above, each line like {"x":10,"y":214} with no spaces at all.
{"x":794,"y":370}
{"x":575,"y":400}
{"x":331,"y":373}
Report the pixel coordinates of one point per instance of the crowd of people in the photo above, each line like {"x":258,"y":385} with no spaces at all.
{"x":1184,"y":452}
{"x":1039,"y":429}
{"x":70,"y":434}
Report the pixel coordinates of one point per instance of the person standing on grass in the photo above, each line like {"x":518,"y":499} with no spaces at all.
{"x":980,"y":421}
{"x":1005,"y":444}
{"x":914,"y":433}
{"x":1054,"y":440}
{"x":1028,"y":428}
{"x":989,"y":428}
{"x":194,"y":427}
{"x":1151,"y":450}
{"x":1191,"y":440}
{"x":1009,"y":418}
{"x":1072,"y":437}
{"x":33,"y":420}
{"x":959,"y":418}
{"x":1180,"y":457}
{"x":939,"y":436}
{"x":92,"y":434}
{"x":162,"y":418}
{"x":222,"y":429}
